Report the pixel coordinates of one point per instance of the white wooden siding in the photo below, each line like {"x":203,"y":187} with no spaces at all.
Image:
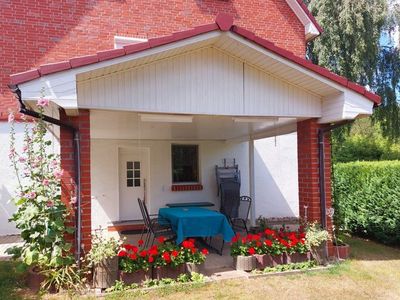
{"x":206,"y":81}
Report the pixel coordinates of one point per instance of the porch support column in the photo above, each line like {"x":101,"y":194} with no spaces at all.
{"x":251,"y":183}
{"x":309,"y":173}
{"x":82,"y":122}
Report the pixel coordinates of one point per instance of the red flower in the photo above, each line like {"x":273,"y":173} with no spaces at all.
{"x":133,"y":256}
{"x":243,"y":240}
{"x":204,"y":251}
{"x":140,"y":242}
{"x":268,"y":243}
{"x":188,"y":244}
{"x":153,"y":250}
{"x":256,"y":237}
{"x":193,"y":250}
{"x":143,"y":253}
{"x":252,"y":251}
{"x":249,"y":237}
{"x":134,"y":249}
{"x":151,"y":259}
{"x":234,"y":239}
{"x":174,"y":253}
{"x":302,"y":235}
{"x":166,"y":257}
{"x":269,"y":232}
{"x":258,"y":244}
{"x":161,"y":239}
{"x":122,"y":253}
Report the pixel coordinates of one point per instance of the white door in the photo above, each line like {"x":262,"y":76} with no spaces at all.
{"x":133,"y":164}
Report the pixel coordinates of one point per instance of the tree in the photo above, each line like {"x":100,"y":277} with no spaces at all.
{"x":353,"y":46}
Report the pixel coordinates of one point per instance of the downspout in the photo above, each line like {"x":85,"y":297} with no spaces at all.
{"x":321,"y":151}
{"x":77,"y":162}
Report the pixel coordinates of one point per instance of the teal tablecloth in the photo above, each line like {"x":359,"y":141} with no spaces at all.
{"x":196,"y":222}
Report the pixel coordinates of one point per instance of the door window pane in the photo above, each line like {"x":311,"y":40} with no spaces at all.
{"x":185,"y":160}
{"x":137,"y":182}
{"x":129,"y":182}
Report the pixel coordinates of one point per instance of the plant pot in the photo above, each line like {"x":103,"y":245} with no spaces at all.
{"x":245,"y":263}
{"x":105,"y":273}
{"x":319,"y":255}
{"x":342,"y":251}
{"x":34,"y":280}
{"x":296,"y":257}
{"x":197,"y":268}
{"x":266,"y":260}
{"x":135,"y":277}
{"x":168,"y":272}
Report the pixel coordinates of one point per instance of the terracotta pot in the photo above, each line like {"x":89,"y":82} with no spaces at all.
{"x":245,"y":263}
{"x":168,"y":272}
{"x":34,"y":280}
{"x":342,"y":251}
{"x":191,"y":267}
{"x":296,"y":257}
{"x":105,"y":273}
{"x":267,"y":260}
{"x":135,"y":277}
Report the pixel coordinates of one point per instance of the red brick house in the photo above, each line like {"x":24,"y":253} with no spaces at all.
{"x":137,"y":78}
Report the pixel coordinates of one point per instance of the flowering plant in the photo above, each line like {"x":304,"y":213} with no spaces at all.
{"x":191,"y":254}
{"x":41,"y":216}
{"x":290,"y":241}
{"x":103,"y":247}
{"x":246,"y":245}
{"x":133,"y":259}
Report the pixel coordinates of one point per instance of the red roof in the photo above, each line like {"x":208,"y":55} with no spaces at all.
{"x":310,"y":16}
{"x":223,"y":22}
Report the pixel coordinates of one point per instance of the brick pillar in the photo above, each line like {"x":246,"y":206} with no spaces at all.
{"x":308,"y":166}
{"x":68,"y":184}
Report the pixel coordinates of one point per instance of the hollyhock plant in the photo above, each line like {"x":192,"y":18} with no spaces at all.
{"x":41,"y":216}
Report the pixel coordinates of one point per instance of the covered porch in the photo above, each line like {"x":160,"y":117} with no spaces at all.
{"x":217,"y":87}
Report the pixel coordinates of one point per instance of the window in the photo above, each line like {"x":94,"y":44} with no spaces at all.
{"x":185,"y":163}
{"x":133,"y":174}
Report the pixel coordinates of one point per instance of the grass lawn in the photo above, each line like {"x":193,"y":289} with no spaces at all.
{"x":372,"y":273}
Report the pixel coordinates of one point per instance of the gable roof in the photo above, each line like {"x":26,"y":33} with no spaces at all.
{"x":223,"y":22}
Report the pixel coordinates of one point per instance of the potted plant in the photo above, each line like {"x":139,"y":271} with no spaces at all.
{"x":168,"y":260}
{"x":316,"y":239}
{"x":194,"y":258}
{"x":41,"y":216}
{"x":135,"y":264}
{"x":340,"y":248}
{"x":242,"y":251}
{"x":103,"y":258}
{"x":295,"y":247}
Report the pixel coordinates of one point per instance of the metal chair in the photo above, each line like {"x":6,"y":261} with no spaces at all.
{"x":243,"y":213}
{"x":230,"y":199}
{"x":154,"y":227}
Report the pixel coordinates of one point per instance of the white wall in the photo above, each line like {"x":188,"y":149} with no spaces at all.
{"x":8,"y":180}
{"x":105,"y":184}
{"x":276,"y":176}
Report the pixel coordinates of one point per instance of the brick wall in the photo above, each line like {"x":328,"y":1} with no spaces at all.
{"x":38,"y":32}
{"x":82,"y":122}
{"x":308,"y":165}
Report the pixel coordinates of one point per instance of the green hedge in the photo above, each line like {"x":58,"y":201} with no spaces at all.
{"x":367,"y":199}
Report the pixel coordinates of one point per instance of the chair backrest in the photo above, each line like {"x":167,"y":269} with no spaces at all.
{"x":145,"y":214}
{"x":230,"y":198}
{"x":244,"y":208}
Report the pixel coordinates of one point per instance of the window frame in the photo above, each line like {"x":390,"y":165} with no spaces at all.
{"x":198,"y":164}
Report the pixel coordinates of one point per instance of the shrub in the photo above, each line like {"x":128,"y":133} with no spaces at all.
{"x":367,"y":199}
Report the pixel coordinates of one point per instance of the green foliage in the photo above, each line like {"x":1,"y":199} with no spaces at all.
{"x":290,"y":267}
{"x":10,"y":280}
{"x":68,"y":277}
{"x":367,"y":199}
{"x":365,"y":142}
{"x":316,"y":236}
{"x":103,"y":247}
{"x":120,"y":286}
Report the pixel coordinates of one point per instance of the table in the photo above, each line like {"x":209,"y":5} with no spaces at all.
{"x":190,"y":204}
{"x":196,"y":222}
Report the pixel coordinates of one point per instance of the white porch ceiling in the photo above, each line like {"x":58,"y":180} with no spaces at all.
{"x":129,"y":125}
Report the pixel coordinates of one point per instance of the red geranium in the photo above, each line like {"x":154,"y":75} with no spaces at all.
{"x":204,"y":251}
{"x":122,"y":253}
{"x":174,"y":253}
{"x":143,"y":253}
{"x":151,"y":259}
{"x":166,"y":257}
{"x":161,"y":239}
{"x":140,"y":242}
{"x":269,"y":232}
{"x":268,"y":243}
{"x":252,"y":251}
{"x":133,"y":256}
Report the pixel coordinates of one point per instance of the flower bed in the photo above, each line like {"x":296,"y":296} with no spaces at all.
{"x":164,"y":260}
{"x":269,"y":249}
